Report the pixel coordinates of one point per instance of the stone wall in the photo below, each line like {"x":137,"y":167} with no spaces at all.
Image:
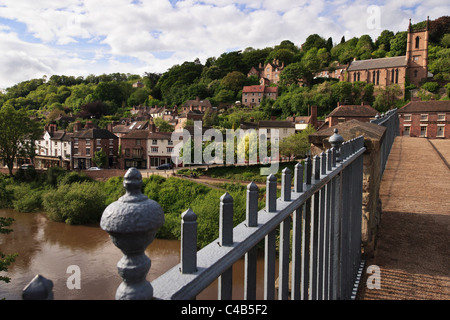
{"x":371,"y":206}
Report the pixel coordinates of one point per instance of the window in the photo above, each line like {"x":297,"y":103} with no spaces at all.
{"x":416,"y":58}
{"x":127,"y":152}
{"x":440,"y":131}
{"x":170,"y":143}
{"x":378,"y":77}
{"x":154,"y":149}
{"x":423,"y":131}
{"x":111,"y":142}
{"x":111,"y":151}
{"x":75,"y":150}
{"x":407,"y":131}
{"x":396,"y":75}
{"x":417,"y":42}
{"x":88,"y":151}
{"x":359,"y":76}
{"x":99,"y":142}
{"x":88,"y":142}
{"x":415,"y":73}
{"x":169,"y":149}
{"x":154,"y":142}
{"x":441,"y":117}
{"x":424,"y":117}
{"x":138,"y":142}
{"x":407,"y":117}
{"x":392,"y":75}
{"x":75,"y":141}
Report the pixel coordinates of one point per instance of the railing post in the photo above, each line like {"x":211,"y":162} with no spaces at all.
{"x":286,"y":180}
{"x":226,"y":220}
{"x":251,"y":256}
{"x":189,"y":242}
{"x":271,"y":193}
{"x":336,"y":141}
{"x":226,"y":239}
{"x":298,"y":181}
{"x":132,"y":223}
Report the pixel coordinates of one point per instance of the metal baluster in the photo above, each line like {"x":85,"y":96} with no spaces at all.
{"x":188,"y":242}
{"x":226,"y":239}
{"x":251,"y":256}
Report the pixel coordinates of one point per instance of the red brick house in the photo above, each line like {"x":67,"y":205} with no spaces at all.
{"x":269,"y":73}
{"x":87,"y":141}
{"x":253,"y":95}
{"x":342,"y":113}
{"x":428,"y":119}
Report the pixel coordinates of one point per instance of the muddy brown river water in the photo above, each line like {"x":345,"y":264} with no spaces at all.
{"x":49,"y":248}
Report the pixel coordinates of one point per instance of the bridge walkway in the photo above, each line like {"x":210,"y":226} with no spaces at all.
{"x":413,"y":251}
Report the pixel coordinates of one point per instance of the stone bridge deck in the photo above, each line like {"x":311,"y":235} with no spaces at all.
{"x":413,"y":248}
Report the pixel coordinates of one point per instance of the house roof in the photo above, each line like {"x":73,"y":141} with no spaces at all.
{"x":197,"y":102}
{"x":378,"y":63}
{"x":426,"y":106}
{"x":267,"y":124}
{"x":353,"y":111}
{"x":94,"y":134}
{"x":259,"y":89}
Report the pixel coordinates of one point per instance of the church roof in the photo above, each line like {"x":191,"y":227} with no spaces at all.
{"x":378,"y":63}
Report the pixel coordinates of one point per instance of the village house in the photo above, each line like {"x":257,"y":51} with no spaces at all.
{"x":87,"y":141}
{"x":53,"y":149}
{"x":197,"y":104}
{"x":253,"y":95}
{"x":427,"y":119}
{"x":342,"y":113}
{"x":302,"y":122}
{"x":285,"y":128}
{"x":269,"y":73}
{"x":395,"y":70}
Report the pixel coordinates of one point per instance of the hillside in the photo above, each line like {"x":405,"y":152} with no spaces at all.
{"x":109,"y":97}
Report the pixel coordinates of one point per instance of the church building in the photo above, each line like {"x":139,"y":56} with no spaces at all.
{"x":396,"y":70}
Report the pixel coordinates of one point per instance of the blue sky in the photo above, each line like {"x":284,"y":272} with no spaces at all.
{"x":82,"y":37}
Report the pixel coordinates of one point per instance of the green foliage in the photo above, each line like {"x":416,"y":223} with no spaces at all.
{"x":431,"y":86}
{"x":27,"y":198}
{"x":100,"y":158}
{"x":296,"y":145}
{"x":6,"y":259}
{"x":77,"y":203}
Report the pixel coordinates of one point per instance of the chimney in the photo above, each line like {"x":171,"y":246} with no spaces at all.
{"x":89,"y":124}
{"x":314,"y":115}
{"x":77,"y":126}
{"x":52,"y":127}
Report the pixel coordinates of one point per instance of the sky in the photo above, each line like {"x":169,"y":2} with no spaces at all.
{"x":80,"y":37}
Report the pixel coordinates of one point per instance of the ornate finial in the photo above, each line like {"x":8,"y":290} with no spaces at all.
{"x":39,"y":288}
{"x":132,"y":223}
{"x":336,"y":141}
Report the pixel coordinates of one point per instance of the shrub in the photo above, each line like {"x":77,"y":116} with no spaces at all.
{"x":77,"y":203}
{"x":73,"y":177}
{"x":431,"y":86}
{"x":27,"y":199}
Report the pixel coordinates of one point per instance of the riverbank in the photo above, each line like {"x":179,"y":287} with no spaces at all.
{"x":75,"y":198}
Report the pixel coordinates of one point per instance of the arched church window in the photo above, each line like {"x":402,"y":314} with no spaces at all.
{"x":417,"y":42}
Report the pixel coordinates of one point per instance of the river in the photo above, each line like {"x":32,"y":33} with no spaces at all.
{"x":48,"y":248}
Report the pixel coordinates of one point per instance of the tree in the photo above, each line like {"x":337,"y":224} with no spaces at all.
{"x":163,"y":125}
{"x":296,"y":145}
{"x":384,"y":40}
{"x":398,"y":44}
{"x":6,"y":260}
{"x":17,"y":135}
{"x":100,"y":158}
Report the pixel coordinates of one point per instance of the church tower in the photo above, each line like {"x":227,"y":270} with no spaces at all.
{"x":417,"y":53}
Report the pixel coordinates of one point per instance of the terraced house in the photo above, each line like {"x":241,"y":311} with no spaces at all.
{"x":85,"y":142}
{"x":53,"y":149}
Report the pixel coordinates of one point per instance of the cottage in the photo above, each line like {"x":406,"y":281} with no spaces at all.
{"x":253,"y":95}
{"x":269,"y":73}
{"x":342,"y":113}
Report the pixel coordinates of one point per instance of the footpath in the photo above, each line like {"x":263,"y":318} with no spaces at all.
{"x":413,"y":252}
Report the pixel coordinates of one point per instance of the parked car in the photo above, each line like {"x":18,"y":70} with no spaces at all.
{"x":26,"y":166}
{"x":165,"y":166}
{"x":94,"y":168}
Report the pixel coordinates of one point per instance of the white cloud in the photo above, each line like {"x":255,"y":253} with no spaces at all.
{"x":79,"y":37}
